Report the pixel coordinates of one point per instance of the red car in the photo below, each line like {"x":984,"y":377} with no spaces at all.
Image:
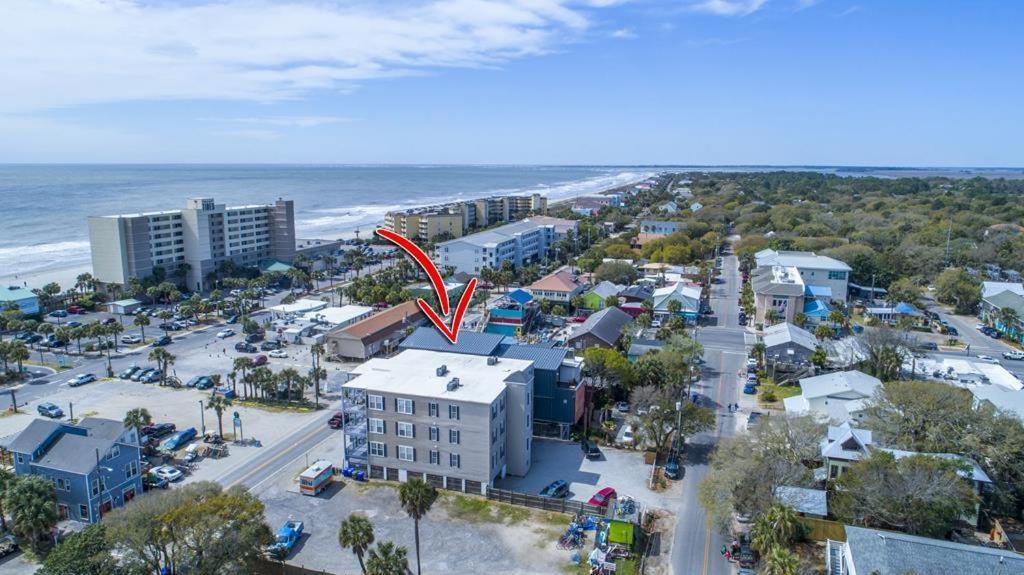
{"x":74,"y":309}
{"x":336,"y":420}
{"x":580,"y":319}
{"x":601,"y":497}
{"x":259,"y":360}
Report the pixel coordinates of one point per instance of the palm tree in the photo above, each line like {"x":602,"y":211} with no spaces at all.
{"x":138,"y":418}
{"x":356,"y":533}
{"x":219,"y":403}
{"x":243,"y":364}
{"x":32,"y":502}
{"x":776,"y":527}
{"x":387,"y":559}
{"x":771,"y":316}
{"x":822,"y":332}
{"x":416,"y":497}
{"x":837,"y":318}
{"x":289,"y":377}
{"x":781,"y":561}
{"x":165,"y":315}
{"x":141,"y":321}
{"x":1009,"y":318}
{"x":163,"y":359}
{"x":18,"y":352}
{"x":114,"y":330}
{"x":758,"y":350}
{"x":316,"y":352}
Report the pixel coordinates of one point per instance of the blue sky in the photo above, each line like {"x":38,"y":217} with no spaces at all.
{"x":852,"y":82}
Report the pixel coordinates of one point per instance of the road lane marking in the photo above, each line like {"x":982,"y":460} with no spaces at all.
{"x":276,"y":457}
{"x":707,"y":550}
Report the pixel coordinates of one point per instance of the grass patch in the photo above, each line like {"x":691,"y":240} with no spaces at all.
{"x":471,"y":509}
{"x":625,"y":566}
{"x":581,"y":568}
{"x":274,"y":407}
{"x":48,"y":364}
{"x":480,"y":510}
{"x":771,"y":394}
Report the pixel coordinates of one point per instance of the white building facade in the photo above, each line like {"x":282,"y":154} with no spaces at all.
{"x":519,"y":243}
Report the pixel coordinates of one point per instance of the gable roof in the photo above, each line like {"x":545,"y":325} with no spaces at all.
{"x":839,"y":382}
{"x":992,"y":288}
{"x":35,"y":433}
{"x":688,"y":295}
{"x":836,"y":444}
{"x":1008,"y":299}
{"x":785,"y":333}
{"x":974,"y":471}
{"x":605,"y":289}
{"x":387,"y":319}
{"x":74,"y":448}
{"x":561,"y":280}
{"x":469,"y":342}
{"x":543,"y":357}
{"x":638,"y":292}
{"x":606,"y":325}
{"x":803,"y":499}
{"x":889,"y":552}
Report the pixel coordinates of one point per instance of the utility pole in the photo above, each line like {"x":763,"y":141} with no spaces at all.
{"x":949,"y":234}
{"x":202,"y":418}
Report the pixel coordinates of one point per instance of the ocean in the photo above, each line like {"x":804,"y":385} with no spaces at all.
{"x":45,"y":232}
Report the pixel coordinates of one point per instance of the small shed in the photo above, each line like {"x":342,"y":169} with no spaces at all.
{"x":804,"y":501}
{"x":124,"y":306}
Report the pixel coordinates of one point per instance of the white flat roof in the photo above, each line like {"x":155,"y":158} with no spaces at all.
{"x":300,"y":306}
{"x":338,"y":315}
{"x":413,"y":373}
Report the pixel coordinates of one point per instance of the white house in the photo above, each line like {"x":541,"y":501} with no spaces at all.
{"x":839,"y":396}
{"x":688,"y":296}
{"x":814,"y":269}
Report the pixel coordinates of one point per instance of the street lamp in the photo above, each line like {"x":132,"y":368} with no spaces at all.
{"x":202,"y":418}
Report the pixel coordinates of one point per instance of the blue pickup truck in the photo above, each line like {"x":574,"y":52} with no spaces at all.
{"x":287,"y":536}
{"x":178,"y":439}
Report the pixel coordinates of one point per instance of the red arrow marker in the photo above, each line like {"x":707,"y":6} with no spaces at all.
{"x":452,"y":333}
{"x":424,"y":260}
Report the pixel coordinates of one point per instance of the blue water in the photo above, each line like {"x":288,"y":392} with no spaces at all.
{"x":45,"y":206}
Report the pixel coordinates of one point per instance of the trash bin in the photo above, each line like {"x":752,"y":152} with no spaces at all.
{"x":361,"y":475}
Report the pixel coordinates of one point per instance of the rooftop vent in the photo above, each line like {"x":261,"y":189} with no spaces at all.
{"x":492,"y":360}
{"x":453,"y":384}
{"x":441,"y":371}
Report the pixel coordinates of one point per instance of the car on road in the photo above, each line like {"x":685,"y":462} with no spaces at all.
{"x":232,"y":319}
{"x":131,"y":339}
{"x":590,"y":449}
{"x":161,"y":341}
{"x":556,"y":489}
{"x":128,"y":373}
{"x":627,"y":435}
{"x":225,"y":333}
{"x":987,"y":358}
{"x":259,"y":360}
{"x":601,"y":498}
{"x":58,"y":313}
{"x":750,"y":389}
{"x":928,"y":346}
{"x":82,"y":379}
{"x":245,"y":347}
{"x":673,"y":469}
{"x":950,"y":330}
{"x":47,"y":409}
{"x":278,"y":353}
{"x":109,"y":321}
{"x":622,"y":407}
{"x":1017,"y":355}
{"x":336,"y":420}
{"x":168,"y":473}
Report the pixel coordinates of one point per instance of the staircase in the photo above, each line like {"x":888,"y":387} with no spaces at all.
{"x":834,"y":557}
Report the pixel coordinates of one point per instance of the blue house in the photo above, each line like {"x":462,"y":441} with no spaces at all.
{"x":26,"y":301}
{"x":94,"y":466}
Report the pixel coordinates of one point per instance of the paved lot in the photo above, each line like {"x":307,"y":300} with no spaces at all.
{"x":621,"y":469}
{"x":451,"y":541}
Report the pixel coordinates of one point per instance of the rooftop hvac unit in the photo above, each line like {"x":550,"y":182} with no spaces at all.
{"x":492,"y":360}
{"x":441,"y":371}
{"x":453,"y":384}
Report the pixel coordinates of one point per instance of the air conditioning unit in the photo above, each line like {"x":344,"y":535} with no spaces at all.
{"x":453,"y":384}
{"x":441,"y":371}
{"x":492,"y":360}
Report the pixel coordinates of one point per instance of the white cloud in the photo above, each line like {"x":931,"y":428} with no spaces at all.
{"x":729,"y":7}
{"x":624,"y":33}
{"x":284,"y":121}
{"x":60,"y":53}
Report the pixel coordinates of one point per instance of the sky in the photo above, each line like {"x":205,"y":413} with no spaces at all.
{"x":623,"y":82}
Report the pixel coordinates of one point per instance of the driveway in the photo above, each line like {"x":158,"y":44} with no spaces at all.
{"x":623,"y":470}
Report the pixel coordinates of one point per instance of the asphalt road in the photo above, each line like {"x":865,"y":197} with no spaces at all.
{"x":695,"y":548}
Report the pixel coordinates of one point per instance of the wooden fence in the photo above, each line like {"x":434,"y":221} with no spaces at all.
{"x":561,"y":505}
{"x":268,"y":567}
{"x":823,"y":529}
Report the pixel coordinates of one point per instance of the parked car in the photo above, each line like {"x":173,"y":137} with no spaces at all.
{"x":178,"y":439}
{"x":138,"y":375}
{"x":131,"y":339}
{"x":952,"y":330}
{"x":287,"y":536}
{"x":601,"y":498}
{"x":259,"y":360}
{"x":225,"y":391}
{"x":168,"y":473}
{"x":200,"y":382}
{"x":622,"y":407}
{"x":152,"y":481}
{"x":58,"y":313}
{"x":151,"y":377}
{"x":245,"y":347}
{"x":8,"y":545}
{"x":336,"y":420}
{"x":270,"y":345}
{"x":47,"y":409}
{"x":233,"y":319}
{"x":750,"y":389}
{"x":253,"y":337}
{"x":109,"y":321}
{"x":128,"y":373}
{"x":1017,"y":355}
{"x":627,"y":435}
{"x":557,"y":489}
{"x":161,"y":341}
{"x":673,"y":470}
{"x":82,"y":379}
{"x":73,"y":324}
{"x":158,"y":429}
{"x":74,"y":309}
{"x":225,"y":333}
{"x":590,"y":449}
{"x":278,"y":353}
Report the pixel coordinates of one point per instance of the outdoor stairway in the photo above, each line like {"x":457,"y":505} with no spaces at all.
{"x":834,"y":557}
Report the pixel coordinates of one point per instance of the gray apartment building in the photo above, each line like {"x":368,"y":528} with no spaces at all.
{"x":519,"y":243}
{"x":203,"y":235}
{"x":457,"y":421}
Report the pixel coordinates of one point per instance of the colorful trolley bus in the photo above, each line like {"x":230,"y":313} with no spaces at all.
{"x":316,"y":479}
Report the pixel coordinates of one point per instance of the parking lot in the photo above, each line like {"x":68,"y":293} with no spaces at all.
{"x":623,"y":470}
{"x":458,"y":535}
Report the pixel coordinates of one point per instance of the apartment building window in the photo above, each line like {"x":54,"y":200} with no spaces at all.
{"x":502,"y":403}
{"x":836,"y":275}
{"x":96,"y":486}
{"x":406,"y":453}
{"x":494,"y":410}
{"x":435,"y":457}
{"x":375,"y":402}
{"x":433,"y":409}
{"x":453,"y":436}
{"x":435,"y":434}
{"x":378,"y":449}
{"x":494,"y":436}
{"x":454,"y":460}
{"x":406,"y":429}
{"x":61,"y":483}
{"x":132,"y":469}
{"x":377,"y":426}
{"x":403,"y":406}
{"x":114,"y":452}
{"x":83,"y":512}
{"x":453,"y":412}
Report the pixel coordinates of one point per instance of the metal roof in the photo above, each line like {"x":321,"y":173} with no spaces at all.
{"x":469,"y":342}
{"x":803,"y":500}
{"x":519,"y":296}
{"x":543,"y":357}
{"x":889,"y":552}
{"x":606,"y":325}
{"x":784,"y":333}
{"x":37,"y":431}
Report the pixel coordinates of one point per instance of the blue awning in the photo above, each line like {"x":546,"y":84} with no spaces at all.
{"x":905,"y":309}
{"x":818,"y":291}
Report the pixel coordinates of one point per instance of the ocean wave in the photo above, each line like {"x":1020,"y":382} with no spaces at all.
{"x":38,"y":257}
